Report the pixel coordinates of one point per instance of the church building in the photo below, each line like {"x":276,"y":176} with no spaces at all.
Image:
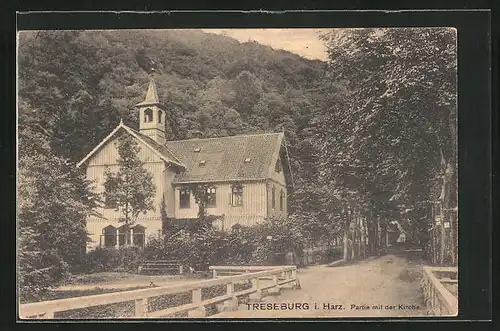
{"x":247,"y":176}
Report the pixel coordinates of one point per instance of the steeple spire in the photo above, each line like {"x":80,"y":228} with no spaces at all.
{"x":153,"y":121}
{"x":151,"y":95}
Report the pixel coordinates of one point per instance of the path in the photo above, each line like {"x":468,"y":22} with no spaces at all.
{"x":388,"y":281}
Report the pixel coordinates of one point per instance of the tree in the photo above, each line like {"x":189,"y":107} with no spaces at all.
{"x":399,"y":130}
{"x":54,"y":201}
{"x":131,"y":190}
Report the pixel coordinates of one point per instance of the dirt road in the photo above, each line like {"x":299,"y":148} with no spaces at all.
{"x":386,"y":286}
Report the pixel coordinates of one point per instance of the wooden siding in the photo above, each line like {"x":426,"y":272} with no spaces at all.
{"x":106,"y":159}
{"x":168,"y":191}
{"x":254,"y":203}
{"x":276,"y":212}
{"x":278,"y":177}
{"x":108,"y":154}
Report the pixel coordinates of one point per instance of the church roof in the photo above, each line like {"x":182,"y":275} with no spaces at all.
{"x":151,"y":95}
{"x":233,"y":158}
{"x":162,"y":151}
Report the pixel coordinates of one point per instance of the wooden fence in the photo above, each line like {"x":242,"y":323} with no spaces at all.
{"x":438,"y":299}
{"x":280,"y":275}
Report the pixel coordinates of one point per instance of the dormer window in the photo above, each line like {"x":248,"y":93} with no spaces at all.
{"x":202,"y":163}
{"x":148,"y":115}
{"x":197,"y":150}
{"x":247,"y":160}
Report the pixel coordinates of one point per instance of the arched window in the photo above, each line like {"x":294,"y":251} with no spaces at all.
{"x":139,"y":238}
{"x":108,"y":236}
{"x":282,"y":200}
{"x":277,"y":166}
{"x":123,"y":235}
{"x":237,"y":195}
{"x":148,"y":115}
{"x":184,"y":197}
{"x":211,"y":197}
{"x":160,"y":113}
{"x":273,"y":197}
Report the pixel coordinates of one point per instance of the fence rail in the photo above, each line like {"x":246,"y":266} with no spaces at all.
{"x":438,"y":299}
{"x":46,"y":309}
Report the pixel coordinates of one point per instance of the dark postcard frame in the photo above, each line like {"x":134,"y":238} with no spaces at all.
{"x":474,"y":115}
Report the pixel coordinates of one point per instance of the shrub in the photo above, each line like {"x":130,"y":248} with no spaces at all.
{"x":38,"y":272}
{"x":112,"y":259}
{"x":198,"y":249}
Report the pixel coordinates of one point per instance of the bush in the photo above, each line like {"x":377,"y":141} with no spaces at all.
{"x":38,"y":272}
{"x":201,"y":246}
{"x":112,"y":259}
{"x":198,"y":249}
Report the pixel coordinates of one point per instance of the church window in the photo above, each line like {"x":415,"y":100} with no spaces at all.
{"x":278,"y":166}
{"x":148,"y":115}
{"x":237,"y":195}
{"x":282,"y":200}
{"x":211,"y":197}
{"x":123,"y":236}
{"x":159,"y":116}
{"x":109,"y":236}
{"x":273,"y":197}
{"x":139,"y":235}
{"x":185,"y":197}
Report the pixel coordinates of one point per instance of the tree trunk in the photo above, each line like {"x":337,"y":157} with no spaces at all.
{"x":379,"y":235}
{"x":346,"y":245}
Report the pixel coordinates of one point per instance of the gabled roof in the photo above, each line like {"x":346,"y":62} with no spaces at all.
{"x":162,"y":151}
{"x":244,"y":157}
{"x":234,"y":158}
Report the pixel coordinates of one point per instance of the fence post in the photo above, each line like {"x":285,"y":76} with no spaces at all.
{"x":231,"y":304}
{"x":276,"y":289}
{"x":181,"y":270}
{"x":296,"y":283}
{"x":257,"y":295}
{"x":141,"y":307}
{"x":200,"y":311}
{"x":214,"y":272}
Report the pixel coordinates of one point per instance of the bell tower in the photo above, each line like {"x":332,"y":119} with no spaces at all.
{"x":152,"y":117}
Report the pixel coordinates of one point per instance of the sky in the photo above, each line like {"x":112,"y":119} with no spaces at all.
{"x":304,"y":42}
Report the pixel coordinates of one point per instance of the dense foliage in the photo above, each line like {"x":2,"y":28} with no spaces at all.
{"x":391,"y":145}
{"x":200,"y":247}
